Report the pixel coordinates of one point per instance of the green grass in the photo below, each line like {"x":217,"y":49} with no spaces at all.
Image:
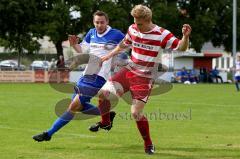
{"x":191,"y":122}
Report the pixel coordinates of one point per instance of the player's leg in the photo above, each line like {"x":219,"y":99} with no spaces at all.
{"x":96,"y":84}
{"x":220,"y":78}
{"x":215,"y":78}
{"x":85,"y":97}
{"x":87,"y":86}
{"x":140,"y":88}
{"x":74,"y":107}
{"x":142,"y":125}
{"x":67,"y":116}
{"x":108,"y":96}
{"x":237,"y":80}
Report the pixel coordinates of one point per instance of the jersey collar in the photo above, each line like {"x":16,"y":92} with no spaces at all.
{"x":108,"y":29}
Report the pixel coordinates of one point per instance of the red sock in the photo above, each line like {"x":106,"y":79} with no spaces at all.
{"x":143,"y":128}
{"x":104,"y":107}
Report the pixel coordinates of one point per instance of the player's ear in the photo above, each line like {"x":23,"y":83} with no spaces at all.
{"x":93,"y":20}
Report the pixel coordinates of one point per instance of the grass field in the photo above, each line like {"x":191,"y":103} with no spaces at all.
{"x":190,"y":122}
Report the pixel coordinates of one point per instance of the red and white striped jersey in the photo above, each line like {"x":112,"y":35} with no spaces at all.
{"x":146,"y":48}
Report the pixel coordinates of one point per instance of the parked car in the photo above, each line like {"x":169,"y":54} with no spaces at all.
{"x":39,"y":65}
{"x":11,"y":65}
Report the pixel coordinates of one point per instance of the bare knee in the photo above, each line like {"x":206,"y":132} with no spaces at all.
{"x":111,"y":90}
{"x":75,"y":105}
{"x":137,"y":109}
{"x":136,"y":114}
{"x":108,"y":95}
{"x":103,"y":94}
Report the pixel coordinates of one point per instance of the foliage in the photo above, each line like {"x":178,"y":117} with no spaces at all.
{"x":22,"y":22}
{"x":17,"y":19}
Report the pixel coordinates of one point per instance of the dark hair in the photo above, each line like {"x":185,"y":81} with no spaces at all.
{"x":101,"y":13}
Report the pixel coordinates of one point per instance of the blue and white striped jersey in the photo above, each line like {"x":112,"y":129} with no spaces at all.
{"x":99,"y":45}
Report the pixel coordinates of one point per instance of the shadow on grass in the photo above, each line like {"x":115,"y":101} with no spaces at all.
{"x":176,"y":153}
{"x":56,"y":148}
{"x":196,"y":153}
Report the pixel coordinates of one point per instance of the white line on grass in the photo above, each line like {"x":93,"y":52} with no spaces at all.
{"x":34,"y":130}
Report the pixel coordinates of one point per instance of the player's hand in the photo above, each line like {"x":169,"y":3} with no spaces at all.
{"x":106,"y":57}
{"x":72,"y":66}
{"x":186,"y":30}
{"x":73,"y":40}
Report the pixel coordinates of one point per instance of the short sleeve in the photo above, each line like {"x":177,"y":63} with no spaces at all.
{"x":127,"y":39}
{"x":169,"y":41}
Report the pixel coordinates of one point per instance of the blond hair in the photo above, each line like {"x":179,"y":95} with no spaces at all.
{"x":142,"y":12}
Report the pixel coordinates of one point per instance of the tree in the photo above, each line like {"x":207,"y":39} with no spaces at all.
{"x":17,"y":19}
{"x":55,"y":18}
{"x":23,"y":21}
{"x":118,"y":13}
{"x":58,"y":21}
{"x":211,"y":21}
{"x":172,"y":16}
{"x":222,"y":31}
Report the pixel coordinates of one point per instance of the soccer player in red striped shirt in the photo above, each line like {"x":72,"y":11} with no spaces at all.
{"x":146,"y":41}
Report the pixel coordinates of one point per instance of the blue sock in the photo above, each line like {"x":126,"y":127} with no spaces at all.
{"x":60,"y":122}
{"x":237,"y":86}
{"x":90,"y":109}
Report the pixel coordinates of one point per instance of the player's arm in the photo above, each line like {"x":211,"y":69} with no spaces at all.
{"x":117,"y":50}
{"x":184,"y":42}
{"x":74,"y":40}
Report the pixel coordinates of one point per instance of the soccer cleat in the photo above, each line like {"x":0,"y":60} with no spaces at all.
{"x":150,"y":149}
{"x":112,"y":116}
{"x":95,"y":127}
{"x":42,"y":137}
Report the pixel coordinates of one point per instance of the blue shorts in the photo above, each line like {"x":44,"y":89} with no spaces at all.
{"x":88,"y":86}
{"x":237,"y":78}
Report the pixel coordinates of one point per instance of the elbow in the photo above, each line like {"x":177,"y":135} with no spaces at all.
{"x":182,"y":49}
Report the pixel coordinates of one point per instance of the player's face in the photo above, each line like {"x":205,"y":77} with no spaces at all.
{"x":142,"y":24}
{"x":100,"y":23}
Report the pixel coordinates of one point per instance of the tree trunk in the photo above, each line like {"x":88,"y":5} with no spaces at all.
{"x":19,"y":48}
{"x":59,"y":48}
{"x":19,"y":57}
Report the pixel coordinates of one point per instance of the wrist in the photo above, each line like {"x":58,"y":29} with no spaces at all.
{"x":75,"y":45}
{"x":111,"y":54}
{"x":185,"y":37}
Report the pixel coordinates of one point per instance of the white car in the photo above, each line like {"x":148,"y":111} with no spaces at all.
{"x":39,"y":65}
{"x":10,"y":65}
